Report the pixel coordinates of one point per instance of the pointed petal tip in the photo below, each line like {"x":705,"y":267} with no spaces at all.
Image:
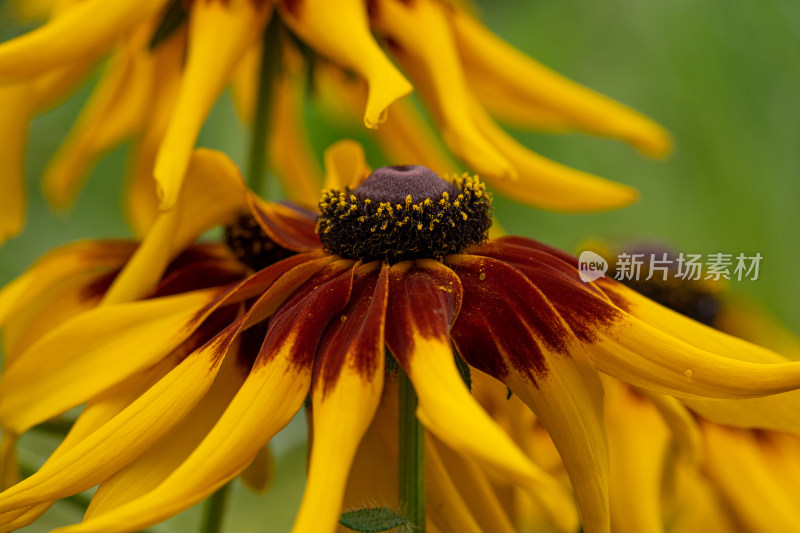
{"x":654,"y":141}
{"x":384,"y":91}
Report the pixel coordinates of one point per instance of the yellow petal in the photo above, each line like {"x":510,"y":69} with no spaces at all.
{"x":699,"y":506}
{"x":214,"y":195}
{"x":94,"y":351}
{"x":637,"y":441}
{"x":777,"y":412}
{"x":682,"y":424}
{"x":341,"y":32}
{"x":757,"y":497}
{"x":141,"y":200}
{"x":259,"y":474}
{"x":31,"y":10}
{"x":644,"y":356}
{"x":547,"y":184}
{"x":345,"y":165}
{"x":270,"y":396}
{"x":405,"y":138}
{"x":14,"y":115}
{"x":444,"y":504}
{"x":424,"y":298}
{"x":290,"y":152}
{"x":348,"y":380}
{"x":116,"y":109}
{"x":61,"y":302}
{"x":373,"y":476}
{"x":97,"y":412}
{"x":219,"y":35}
{"x":265,"y":404}
{"x":476,"y":492}
{"x":426,"y":48}
{"x":67,"y":261}
{"x":84,"y":29}
{"x":523,"y":91}
{"x":166,"y":454}
{"x":128,"y":434}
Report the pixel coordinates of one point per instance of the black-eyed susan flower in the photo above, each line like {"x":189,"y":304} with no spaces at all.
{"x":403,"y":263}
{"x":170,"y":60}
{"x":684,"y":464}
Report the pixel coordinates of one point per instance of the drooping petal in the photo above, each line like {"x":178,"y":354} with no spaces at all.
{"x":270,"y":396}
{"x":61,"y":302}
{"x":259,"y":475}
{"x":116,"y":109}
{"x":14,"y":115}
{"x":97,"y":412}
{"x":424,"y":298}
{"x":141,"y":200}
{"x":214,"y":194}
{"x":345,"y":392}
{"x":95,"y":350}
{"x":778,"y":412}
{"x":373,"y":476}
{"x":653,"y":355}
{"x":738,"y":464}
{"x":424,"y":43}
{"x":65,"y":262}
{"x":682,"y":424}
{"x":219,"y":35}
{"x":512,"y":84}
{"x":444,"y":503}
{"x":698,"y":505}
{"x":645,"y":356}
{"x":128,"y":434}
{"x":638,"y":440}
{"x":510,"y":330}
{"x":84,"y":29}
{"x":146,"y":472}
{"x":474,"y":488}
{"x":341,"y":32}
{"x":290,"y":152}
{"x":404,"y":138}
{"x":546,"y":183}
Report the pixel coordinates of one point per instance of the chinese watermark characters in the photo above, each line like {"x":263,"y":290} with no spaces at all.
{"x":661,"y":266}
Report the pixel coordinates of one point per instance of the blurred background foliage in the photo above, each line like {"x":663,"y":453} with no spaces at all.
{"x":722,"y":76}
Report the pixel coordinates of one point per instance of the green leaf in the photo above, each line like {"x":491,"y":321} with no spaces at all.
{"x":370,"y":520}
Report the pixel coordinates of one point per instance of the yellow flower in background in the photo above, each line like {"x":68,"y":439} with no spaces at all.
{"x":170,"y":60}
{"x":273,"y":329}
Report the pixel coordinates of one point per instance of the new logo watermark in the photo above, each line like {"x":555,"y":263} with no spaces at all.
{"x":591,"y":266}
{"x":662,"y":266}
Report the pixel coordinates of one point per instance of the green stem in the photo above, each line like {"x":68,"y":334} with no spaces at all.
{"x":270,"y":67}
{"x":412,"y":456}
{"x":215,"y":510}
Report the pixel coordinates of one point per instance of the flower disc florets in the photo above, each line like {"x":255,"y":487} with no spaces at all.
{"x":405,"y":212}
{"x":251,"y":245}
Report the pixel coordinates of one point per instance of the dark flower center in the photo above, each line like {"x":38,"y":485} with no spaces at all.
{"x":404,"y":212}
{"x":695,"y":299}
{"x":252,"y":246}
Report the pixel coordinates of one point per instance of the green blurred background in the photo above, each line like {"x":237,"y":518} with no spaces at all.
{"x":723,"y":76}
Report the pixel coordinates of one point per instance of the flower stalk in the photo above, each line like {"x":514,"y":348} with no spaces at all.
{"x":269,"y":69}
{"x":411,"y":455}
{"x":214,"y":511}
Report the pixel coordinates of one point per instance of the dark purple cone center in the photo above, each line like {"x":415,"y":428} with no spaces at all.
{"x":394,"y":184}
